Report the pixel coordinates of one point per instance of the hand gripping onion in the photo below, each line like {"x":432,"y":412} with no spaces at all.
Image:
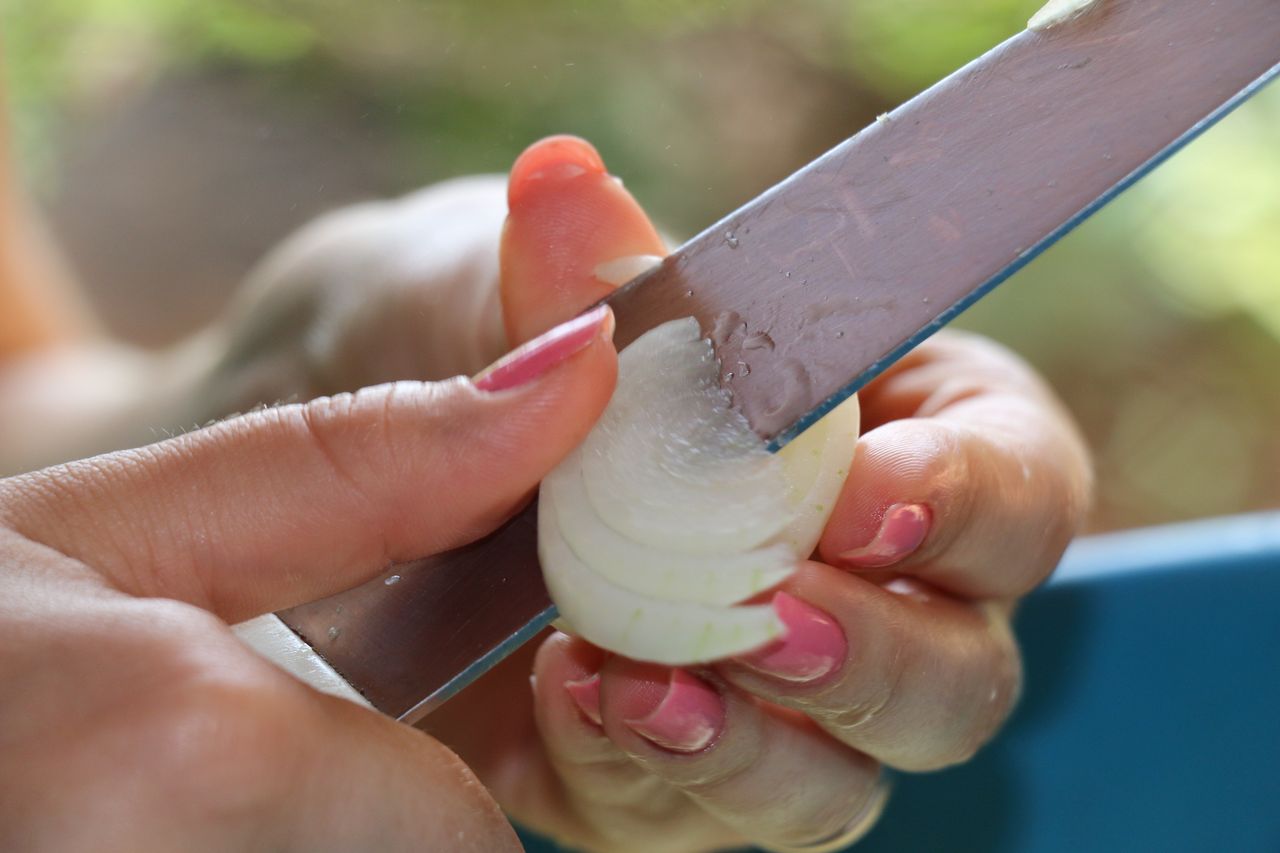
{"x":672,"y":511}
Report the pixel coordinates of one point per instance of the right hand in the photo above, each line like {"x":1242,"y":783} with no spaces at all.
{"x":134,"y":720}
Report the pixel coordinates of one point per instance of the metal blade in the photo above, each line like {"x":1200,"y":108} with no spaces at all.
{"x":410,"y":643}
{"x":815,"y":287}
{"x":812,"y":289}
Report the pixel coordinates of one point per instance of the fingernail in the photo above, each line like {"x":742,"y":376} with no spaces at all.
{"x":586,"y":695}
{"x":619,"y":271}
{"x":813,"y":647}
{"x":542,"y":353}
{"x":556,"y":157}
{"x":902,"y":529}
{"x":688,"y":718}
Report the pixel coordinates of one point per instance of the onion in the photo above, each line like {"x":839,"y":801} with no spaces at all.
{"x":1057,"y":12}
{"x":672,"y":510}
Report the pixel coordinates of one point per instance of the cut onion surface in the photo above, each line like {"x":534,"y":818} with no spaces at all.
{"x":672,"y":510}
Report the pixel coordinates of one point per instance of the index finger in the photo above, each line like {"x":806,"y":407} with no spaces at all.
{"x":975,"y":480}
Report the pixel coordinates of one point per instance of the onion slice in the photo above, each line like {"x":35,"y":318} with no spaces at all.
{"x":653,"y":571}
{"x":642,"y":627}
{"x":672,"y":510}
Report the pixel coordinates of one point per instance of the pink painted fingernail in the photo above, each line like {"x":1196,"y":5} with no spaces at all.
{"x":902,"y":529}
{"x":554,"y":157}
{"x":688,"y":718}
{"x":546,"y":351}
{"x":586,"y":695}
{"x":813,"y":647}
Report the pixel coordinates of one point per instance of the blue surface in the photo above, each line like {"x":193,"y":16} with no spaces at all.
{"x":1151,"y":716}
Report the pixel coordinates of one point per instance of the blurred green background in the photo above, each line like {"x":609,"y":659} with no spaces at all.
{"x":173,"y":141}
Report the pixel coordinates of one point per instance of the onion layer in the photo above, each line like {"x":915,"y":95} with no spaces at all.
{"x":672,"y":510}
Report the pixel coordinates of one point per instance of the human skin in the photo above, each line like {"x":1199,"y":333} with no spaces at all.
{"x":967,"y":485}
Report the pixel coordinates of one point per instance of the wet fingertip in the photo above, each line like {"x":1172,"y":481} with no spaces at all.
{"x":556,"y":157}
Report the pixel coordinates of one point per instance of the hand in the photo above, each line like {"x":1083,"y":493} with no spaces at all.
{"x":967,"y":485}
{"x":402,"y":289}
{"x":134,"y":720}
{"x":387,"y":290}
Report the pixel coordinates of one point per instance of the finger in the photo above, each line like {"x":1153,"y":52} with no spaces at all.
{"x":608,"y":801}
{"x":405,"y":288}
{"x":181,"y":739}
{"x":909,"y":675}
{"x":573,"y":234}
{"x":290,"y":504}
{"x":393,"y":787}
{"x":977,"y":489}
{"x":769,"y":774}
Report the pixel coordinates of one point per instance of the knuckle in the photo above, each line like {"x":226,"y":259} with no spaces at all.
{"x":843,"y":818}
{"x":213,"y":731}
{"x":993,"y":700}
{"x":863,"y":699}
{"x":851,"y":717}
{"x":980,"y":352}
{"x":704,"y":778}
{"x":954,"y":390}
{"x":218,"y":743}
{"x":739,"y":753}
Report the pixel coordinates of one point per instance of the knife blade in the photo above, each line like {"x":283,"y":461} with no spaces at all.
{"x":815,"y":287}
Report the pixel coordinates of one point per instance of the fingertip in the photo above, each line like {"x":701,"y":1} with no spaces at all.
{"x":563,"y":657}
{"x":568,"y":668}
{"x":634,"y":688}
{"x":904,"y":482}
{"x":562,"y":156}
{"x":903,"y":528}
{"x":568,"y":699}
{"x":585,"y":693}
{"x":974,"y":511}
{"x":572,"y":234}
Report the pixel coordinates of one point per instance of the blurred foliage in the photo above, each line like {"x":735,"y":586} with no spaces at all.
{"x":905,"y":46}
{"x":1158,"y":320}
{"x":57,"y":48}
{"x":1211,"y":234}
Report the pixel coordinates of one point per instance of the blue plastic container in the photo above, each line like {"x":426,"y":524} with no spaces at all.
{"x":1151,"y":716}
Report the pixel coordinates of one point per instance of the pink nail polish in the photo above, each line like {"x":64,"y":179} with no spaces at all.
{"x":586,"y":695}
{"x":813,"y":647}
{"x":541,"y":354}
{"x":687,"y":719}
{"x":902,"y":529}
{"x":554,"y":157}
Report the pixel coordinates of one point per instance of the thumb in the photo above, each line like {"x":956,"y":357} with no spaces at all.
{"x":290,"y":504}
{"x":572,"y":235}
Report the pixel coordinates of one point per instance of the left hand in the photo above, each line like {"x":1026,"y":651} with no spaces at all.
{"x":381,"y":291}
{"x":967,"y":485}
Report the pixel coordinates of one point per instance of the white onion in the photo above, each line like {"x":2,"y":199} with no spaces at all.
{"x":672,"y":510}
{"x":649,"y":570}
{"x":1057,"y":12}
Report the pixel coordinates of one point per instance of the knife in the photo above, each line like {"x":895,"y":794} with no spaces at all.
{"x":815,"y":287}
